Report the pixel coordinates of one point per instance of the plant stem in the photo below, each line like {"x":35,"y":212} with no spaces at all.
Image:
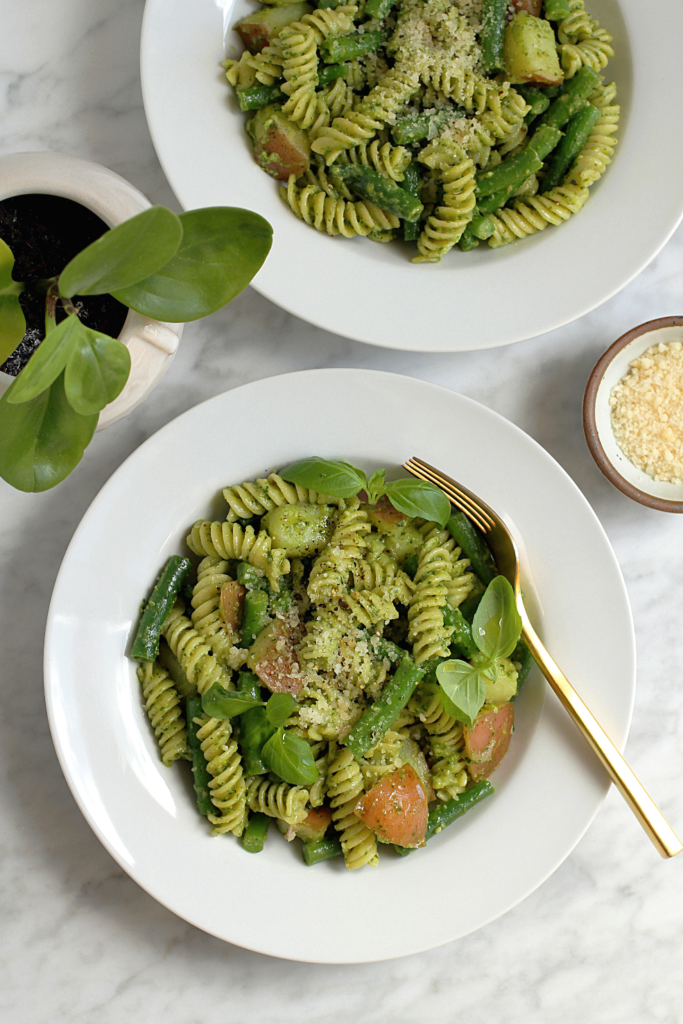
{"x":51,"y":306}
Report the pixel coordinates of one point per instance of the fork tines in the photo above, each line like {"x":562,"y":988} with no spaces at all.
{"x":456,"y":496}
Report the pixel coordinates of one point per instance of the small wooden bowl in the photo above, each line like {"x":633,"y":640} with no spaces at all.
{"x":597,"y":420}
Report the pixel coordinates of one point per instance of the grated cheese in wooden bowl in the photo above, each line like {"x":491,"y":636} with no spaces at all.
{"x":647,"y":412}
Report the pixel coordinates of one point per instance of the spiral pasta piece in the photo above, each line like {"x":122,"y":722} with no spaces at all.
{"x":230,"y":540}
{"x":267,"y":64}
{"x":461,"y":581}
{"x":344,"y":788}
{"x":386,"y":159}
{"x":334,"y":565}
{"x":597,"y":151}
{"x":445,"y":226}
{"x":370,"y":607}
{"x":445,"y":735}
{"x":382,"y":760}
{"x":240,"y":73}
{"x":227,"y":787}
{"x":163,"y":709}
{"x":256,"y":497}
{"x":194,"y":654}
{"x":277,"y":799}
{"x":382,"y":570}
{"x":338,"y":216}
{"x":330,"y":22}
{"x":528,"y":216}
{"x":593,"y":52}
{"x":577,"y":25}
{"x":427,"y":632}
{"x":505,"y":112}
{"x":206,"y":616}
{"x":300,"y":71}
{"x":468,"y":89}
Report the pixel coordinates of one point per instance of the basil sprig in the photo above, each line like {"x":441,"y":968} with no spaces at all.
{"x":496,"y":628}
{"x":342,"y":480}
{"x":291,"y":758}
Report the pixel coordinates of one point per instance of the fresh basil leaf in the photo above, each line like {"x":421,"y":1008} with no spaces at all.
{"x":279,"y":708}
{"x":291,"y":758}
{"x":128,"y":253}
{"x":47,"y":362}
{"x":97,"y":370}
{"x":338,"y":479}
{"x":376,"y":486}
{"x":12,"y":322}
{"x":221,"y":703}
{"x":419,"y":498}
{"x":41,"y":440}
{"x":464,"y":689}
{"x":255,"y":731}
{"x":222,"y":248}
{"x":496,"y":625}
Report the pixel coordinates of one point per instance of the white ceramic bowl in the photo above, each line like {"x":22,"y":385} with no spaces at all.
{"x":549,"y":786}
{"x":152,"y":344}
{"x":597,"y":418}
{"x":372,"y":292}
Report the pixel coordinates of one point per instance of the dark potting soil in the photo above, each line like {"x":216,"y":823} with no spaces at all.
{"x":44,"y":233}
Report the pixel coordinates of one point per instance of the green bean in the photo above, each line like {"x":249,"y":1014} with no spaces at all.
{"x":146,"y":643}
{"x":415,"y":127}
{"x":329,"y":4}
{"x":462,"y":643}
{"x":321,"y":849}
{"x":467,"y":240}
{"x":329,"y":72}
{"x":574,"y":97}
{"x":378,"y":718}
{"x":446,"y":814}
{"x":555,"y":10}
{"x":176,"y":671}
{"x":200,"y":774}
{"x":410,"y":565}
{"x":256,"y":832}
{"x":525,"y":659}
{"x":257,"y":96}
{"x":472,"y":601}
{"x":412,"y":183}
{"x":553,"y":91}
{"x":378,"y":9}
{"x":380,"y":190}
{"x":537,"y":100}
{"x":255,"y":616}
{"x":473,"y":545}
{"x":492,"y":34}
{"x":480,"y":225}
{"x":334,"y":51}
{"x":250,"y":577}
{"x":249,"y":682}
{"x":514,"y":170}
{"x":576,"y":136}
{"x":384,"y":648}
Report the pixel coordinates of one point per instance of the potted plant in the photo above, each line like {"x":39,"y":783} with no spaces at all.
{"x":163,"y":268}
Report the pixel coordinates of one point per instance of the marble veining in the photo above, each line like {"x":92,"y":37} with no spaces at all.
{"x":600,"y":941}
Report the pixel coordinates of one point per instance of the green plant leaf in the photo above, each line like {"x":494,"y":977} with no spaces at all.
{"x":42,"y":440}
{"x":222,"y":249}
{"x":419,"y":498}
{"x":279,"y":707}
{"x":291,"y":758}
{"x":125,"y":255}
{"x":376,"y":486}
{"x":338,"y":479}
{"x":12,"y":322}
{"x":47,"y":362}
{"x":463,"y":688}
{"x":221,"y":703}
{"x":96,"y":371}
{"x":496,"y":625}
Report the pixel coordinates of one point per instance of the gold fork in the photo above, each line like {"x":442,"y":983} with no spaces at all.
{"x":505,"y":552}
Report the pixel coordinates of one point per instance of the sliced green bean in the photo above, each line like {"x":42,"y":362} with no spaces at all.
{"x":575,"y":138}
{"x":462,"y":642}
{"x":492,"y":34}
{"x":329,"y":4}
{"x":321,"y":849}
{"x":255,"y":616}
{"x":467,"y":240}
{"x":334,"y":51}
{"x":480,"y":225}
{"x":383,"y":648}
{"x":250,"y":577}
{"x":380,"y":190}
{"x":415,"y":127}
{"x":410,"y":565}
{"x":516,"y":169}
{"x":524,"y":658}
{"x":378,"y":9}
{"x":200,"y":774}
{"x":256,"y":832}
{"x":412,"y":183}
{"x":445,"y":814}
{"x":573,"y":98}
{"x":555,"y":10}
{"x":329,"y":72}
{"x":379,"y":717}
{"x":468,"y":538}
{"x":257,"y":96}
{"x":146,"y":643}
{"x":537,"y":100}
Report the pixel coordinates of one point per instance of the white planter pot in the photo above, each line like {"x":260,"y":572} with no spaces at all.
{"x":152,"y":344}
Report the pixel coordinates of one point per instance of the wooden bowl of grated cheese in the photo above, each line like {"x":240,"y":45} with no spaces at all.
{"x":633,"y":414}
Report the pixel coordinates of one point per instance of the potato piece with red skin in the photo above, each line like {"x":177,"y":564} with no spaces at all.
{"x":315,"y":824}
{"x":487,"y":741}
{"x":384,"y":512}
{"x":260,"y":28}
{"x":280,"y":147}
{"x":396,"y":809}
{"x":231,"y":603}
{"x":530,"y":6}
{"x":274,"y":660}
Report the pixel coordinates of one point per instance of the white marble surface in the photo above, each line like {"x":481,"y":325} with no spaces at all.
{"x":601,"y":941}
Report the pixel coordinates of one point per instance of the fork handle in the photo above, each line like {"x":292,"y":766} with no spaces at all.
{"x":646,"y":811}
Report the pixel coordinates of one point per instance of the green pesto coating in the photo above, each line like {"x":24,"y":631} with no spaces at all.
{"x":321,"y":849}
{"x":462,"y":642}
{"x":200,"y":774}
{"x":514,"y":170}
{"x":380,"y":716}
{"x":380,"y":190}
{"x":555,"y":10}
{"x":575,"y":138}
{"x":573,"y":98}
{"x":256,"y":832}
{"x":415,"y":127}
{"x":257,"y":96}
{"x":146,"y":643}
{"x":255,"y":615}
{"x":493,"y":15}
{"x":445,"y":814}
{"x":341,"y":48}
{"x":413,"y":184}
{"x":467,"y":537}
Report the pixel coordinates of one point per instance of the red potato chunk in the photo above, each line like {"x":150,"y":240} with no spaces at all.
{"x":231,"y":604}
{"x":530,"y":6}
{"x":396,"y":809}
{"x":280,"y":147}
{"x":384,"y":512}
{"x":259,"y":29}
{"x":486,"y":743}
{"x":315,"y":824}
{"x":274,"y":660}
